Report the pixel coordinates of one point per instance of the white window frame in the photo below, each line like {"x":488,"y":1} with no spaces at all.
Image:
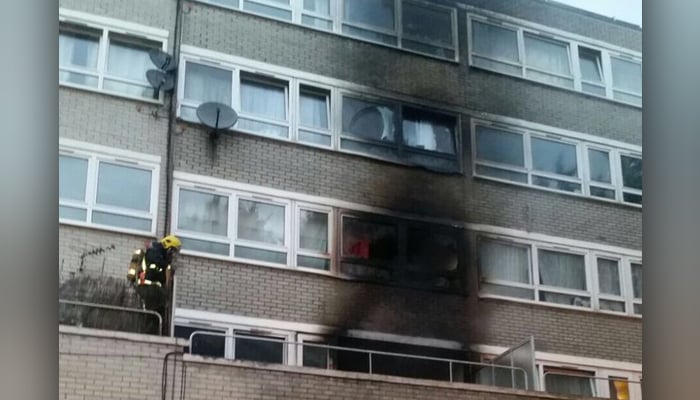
{"x":337,"y":90}
{"x":582,"y":143}
{"x":108,"y":27}
{"x":96,"y":154}
{"x":622,"y":188}
{"x":573,"y":43}
{"x":337,"y":22}
{"x":256,"y":198}
{"x":278,"y":82}
{"x":590,"y":255}
{"x":296,"y":225}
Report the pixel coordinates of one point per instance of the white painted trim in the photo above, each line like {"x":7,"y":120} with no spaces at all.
{"x":71,"y":144}
{"x":572,"y":360}
{"x":184,"y":315}
{"x":114,"y":25}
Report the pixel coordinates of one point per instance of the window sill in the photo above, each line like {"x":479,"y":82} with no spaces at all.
{"x":558,"y":306}
{"x":561,"y":192}
{"x":592,"y":96}
{"x":68,"y":222}
{"x":159,"y":101}
{"x":455,"y":61}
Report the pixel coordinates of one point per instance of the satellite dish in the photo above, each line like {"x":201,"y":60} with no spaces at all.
{"x":160,"y":80}
{"x":161,"y":59}
{"x":217,"y":116}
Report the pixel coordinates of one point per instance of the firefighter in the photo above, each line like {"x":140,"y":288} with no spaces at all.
{"x":151,"y":271}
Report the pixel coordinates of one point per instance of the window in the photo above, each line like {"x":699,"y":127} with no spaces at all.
{"x":223,"y":221}
{"x":541,"y":159}
{"x":260,"y":348}
{"x":263,"y":106}
{"x":314,"y":233}
{"x":567,"y":381}
{"x":314,"y":116}
{"x":531,"y":53}
{"x":370,"y":19}
{"x":106,"y":189}
{"x":207,"y":342}
{"x":369,"y":248}
{"x":561,"y":274}
{"x":423,"y":137}
{"x":627,"y":80}
{"x":637,"y":287}
{"x":104,"y":58}
{"x":631,"y":168}
{"x":283,"y":107}
{"x":547,"y":60}
{"x":203,"y":84}
{"x":548,"y":273}
{"x":418,"y":27}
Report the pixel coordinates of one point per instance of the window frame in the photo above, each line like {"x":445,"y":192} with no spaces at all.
{"x":337,"y":22}
{"x":574,"y":43}
{"x":95,"y":155}
{"x":582,"y":145}
{"x":590,"y":257}
{"x":76,"y":21}
{"x":296,"y":226}
{"x":297,"y":82}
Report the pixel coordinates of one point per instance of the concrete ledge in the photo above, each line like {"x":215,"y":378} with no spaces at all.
{"x":372,"y":378}
{"x":130,"y":336}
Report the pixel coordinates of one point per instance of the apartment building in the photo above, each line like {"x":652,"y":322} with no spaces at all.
{"x":413,"y":189}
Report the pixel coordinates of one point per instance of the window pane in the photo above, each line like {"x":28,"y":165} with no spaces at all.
{"x":428,"y":131}
{"x":79,"y":214}
{"x":499,"y":146}
{"x":323,"y":264}
{"x":317,"y":6}
{"x":556,"y":184}
{"x":367,"y":120}
{"x":313,"y":108}
{"x":77,"y":50}
{"x":590,"y":65}
{"x":501,"y":174}
{"x":637,"y":280}
{"x":369,"y":240}
{"x":619,"y":388}
{"x":313,"y":231}
{"x":261,"y":222}
{"x":501,"y":261}
{"x":203,"y":344}
{"x":122,"y":186}
{"x":494,"y":42}
{"x":375,"y":13}
{"x":562,"y":270}
{"x":225,"y":3}
{"x":317,"y":22}
{"x":427,"y":23}
{"x":263,"y":9}
{"x":72,"y":177}
{"x":631,"y":172}
{"x":604,"y":193}
{"x":599,"y":165}
{"x":251,"y":253}
{"x":204,"y":83}
{"x":547,"y":55}
{"x":251,"y":347}
{"x":627,"y":75}
{"x":206,"y":246}
{"x":202,"y":212}
{"x":121,"y":221}
{"x":316,"y":357}
{"x":555,"y":157}
{"x":608,"y":277}
{"x":431,"y":252}
{"x":632,"y":198}
{"x":263,"y":99}
{"x":315,"y":138}
{"x":508,"y":291}
{"x":129,"y":60}
{"x":612,"y":305}
{"x":565,"y":384}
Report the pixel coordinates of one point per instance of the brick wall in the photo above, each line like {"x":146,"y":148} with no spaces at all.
{"x":102,"y":365}
{"x":285,"y":295}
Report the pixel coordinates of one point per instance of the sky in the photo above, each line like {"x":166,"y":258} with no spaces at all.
{"x":625,"y":10}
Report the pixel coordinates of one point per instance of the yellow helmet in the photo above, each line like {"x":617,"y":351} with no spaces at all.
{"x":171,"y":241}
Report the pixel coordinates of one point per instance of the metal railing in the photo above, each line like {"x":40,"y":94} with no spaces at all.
{"x":116,"y":308}
{"x":371,"y":355}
